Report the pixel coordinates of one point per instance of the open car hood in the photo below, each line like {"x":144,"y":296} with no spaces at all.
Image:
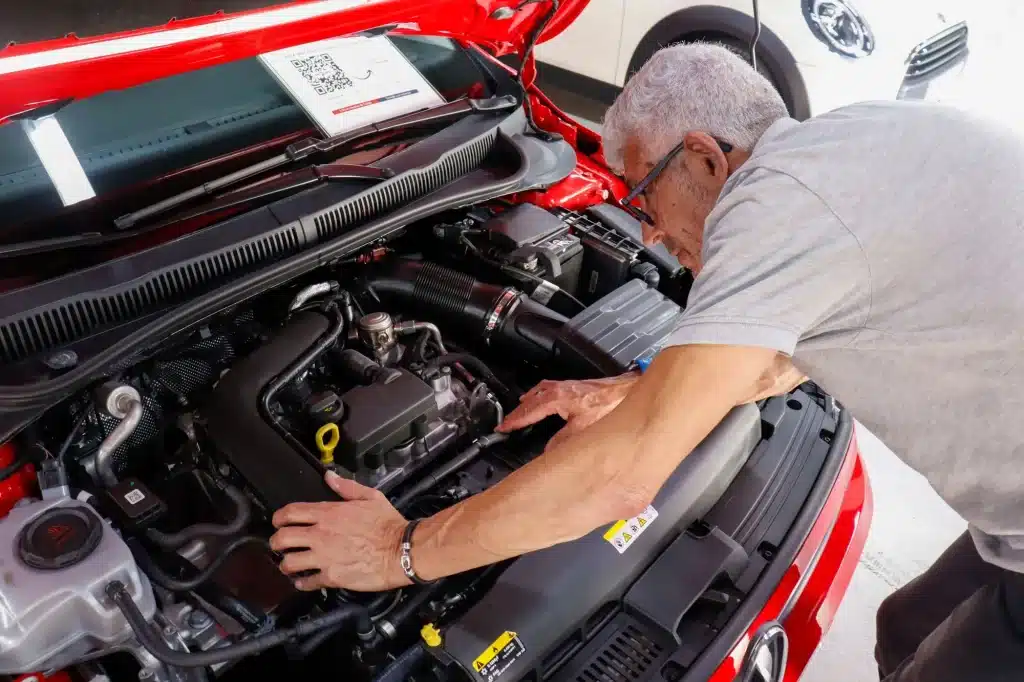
{"x":71,"y":51}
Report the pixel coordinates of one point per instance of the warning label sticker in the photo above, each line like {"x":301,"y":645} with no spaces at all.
{"x":497,"y":658}
{"x":624,"y":533}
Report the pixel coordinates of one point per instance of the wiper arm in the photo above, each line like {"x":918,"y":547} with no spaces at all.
{"x":287,"y":182}
{"x":290,"y":182}
{"x":305,"y":148}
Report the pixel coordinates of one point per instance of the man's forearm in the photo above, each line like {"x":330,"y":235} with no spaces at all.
{"x":605,"y":472}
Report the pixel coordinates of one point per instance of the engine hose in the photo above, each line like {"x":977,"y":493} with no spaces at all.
{"x":378,"y":605}
{"x":330,"y":337}
{"x":161,"y":578}
{"x":449,"y":467}
{"x":475,"y":364}
{"x":400,"y":669}
{"x":390,"y":626}
{"x":119,"y":595}
{"x":499,"y":315}
{"x":251,"y":618}
{"x":239,"y":520}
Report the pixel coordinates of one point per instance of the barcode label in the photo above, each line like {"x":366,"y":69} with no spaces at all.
{"x":135,"y":496}
{"x":322,"y":73}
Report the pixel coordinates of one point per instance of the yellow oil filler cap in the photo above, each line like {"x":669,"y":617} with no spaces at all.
{"x":327,"y":438}
{"x":431,"y":635}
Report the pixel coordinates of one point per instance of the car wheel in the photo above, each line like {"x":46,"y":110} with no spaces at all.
{"x":739,"y":48}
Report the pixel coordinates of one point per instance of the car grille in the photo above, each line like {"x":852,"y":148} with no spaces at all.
{"x":937,"y":52}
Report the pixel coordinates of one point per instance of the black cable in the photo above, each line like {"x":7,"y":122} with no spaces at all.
{"x":75,"y":431}
{"x":531,"y":43}
{"x":19,"y":461}
{"x":121,"y":598}
{"x":757,"y":34}
{"x":239,"y":520}
{"x":477,"y":365}
{"x":161,"y":578}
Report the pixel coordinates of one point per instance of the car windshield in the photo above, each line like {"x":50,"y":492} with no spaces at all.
{"x":139,"y":145}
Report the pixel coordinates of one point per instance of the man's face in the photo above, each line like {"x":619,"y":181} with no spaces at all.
{"x":681,"y":197}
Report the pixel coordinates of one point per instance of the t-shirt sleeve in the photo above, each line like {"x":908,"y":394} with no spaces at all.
{"x":779,"y":268}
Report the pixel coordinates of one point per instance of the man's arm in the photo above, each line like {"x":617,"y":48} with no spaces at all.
{"x":605,"y":472}
{"x":780,"y":378}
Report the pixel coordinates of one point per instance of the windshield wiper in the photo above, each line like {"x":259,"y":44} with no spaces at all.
{"x":310,"y":146}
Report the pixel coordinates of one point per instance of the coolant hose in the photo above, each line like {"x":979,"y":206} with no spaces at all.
{"x":152,"y":643}
{"x":500,"y":315}
{"x":239,"y":520}
{"x":449,"y":467}
{"x":399,"y":669}
{"x":161,"y":578}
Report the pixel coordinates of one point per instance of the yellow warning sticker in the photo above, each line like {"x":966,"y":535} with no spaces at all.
{"x":497,"y":658}
{"x":624,"y":533}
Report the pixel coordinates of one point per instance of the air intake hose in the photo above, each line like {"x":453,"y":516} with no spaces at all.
{"x":502,"y":316}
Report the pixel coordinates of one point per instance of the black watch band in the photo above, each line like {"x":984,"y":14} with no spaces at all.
{"x":406,"y":559}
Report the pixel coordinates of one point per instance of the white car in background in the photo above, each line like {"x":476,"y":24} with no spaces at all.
{"x":820,"y":54}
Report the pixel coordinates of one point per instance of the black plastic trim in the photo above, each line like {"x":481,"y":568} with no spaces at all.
{"x":712,"y":656}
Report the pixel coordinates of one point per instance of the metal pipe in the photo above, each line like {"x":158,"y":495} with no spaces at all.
{"x":412,"y":327}
{"x":312,"y":291}
{"x":124,"y":403}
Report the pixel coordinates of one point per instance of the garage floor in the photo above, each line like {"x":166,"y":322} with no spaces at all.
{"x":911,"y":524}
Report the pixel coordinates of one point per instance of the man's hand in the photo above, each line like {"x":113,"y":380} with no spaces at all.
{"x":579,"y":403}
{"x":354,"y":544}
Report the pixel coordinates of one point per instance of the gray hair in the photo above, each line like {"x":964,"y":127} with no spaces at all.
{"x":691,"y":87}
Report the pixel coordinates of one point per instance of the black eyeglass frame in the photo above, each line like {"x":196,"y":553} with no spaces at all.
{"x":626,"y":203}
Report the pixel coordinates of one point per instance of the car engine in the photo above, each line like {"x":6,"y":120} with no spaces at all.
{"x":145,"y":548}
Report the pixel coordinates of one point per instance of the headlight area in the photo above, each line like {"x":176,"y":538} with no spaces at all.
{"x":806,"y":596}
{"x":840,"y":26}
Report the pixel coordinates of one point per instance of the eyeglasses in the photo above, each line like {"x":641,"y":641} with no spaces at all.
{"x":641,"y":187}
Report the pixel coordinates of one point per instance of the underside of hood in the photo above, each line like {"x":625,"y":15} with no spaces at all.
{"x":74,"y":50}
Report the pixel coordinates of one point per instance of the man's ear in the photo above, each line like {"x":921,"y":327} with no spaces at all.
{"x":706,"y":158}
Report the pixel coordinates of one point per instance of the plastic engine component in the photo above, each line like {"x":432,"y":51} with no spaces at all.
{"x":631,"y":322}
{"x":548,"y":599}
{"x":380,"y":416}
{"x":50,"y":618}
{"x":252,"y":446}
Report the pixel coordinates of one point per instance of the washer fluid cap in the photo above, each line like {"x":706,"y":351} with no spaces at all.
{"x":59,"y":537}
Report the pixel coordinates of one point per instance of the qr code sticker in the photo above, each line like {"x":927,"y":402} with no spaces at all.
{"x":322,"y":73}
{"x":135,"y":496}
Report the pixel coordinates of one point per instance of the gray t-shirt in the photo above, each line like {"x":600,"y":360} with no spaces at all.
{"x":881,"y":245}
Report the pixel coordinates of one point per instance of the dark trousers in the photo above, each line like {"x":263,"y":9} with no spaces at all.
{"x":961,"y":620}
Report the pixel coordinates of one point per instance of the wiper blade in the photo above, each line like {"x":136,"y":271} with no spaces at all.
{"x":290,"y":182}
{"x":287,"y":182}
{"x":305,"y":148}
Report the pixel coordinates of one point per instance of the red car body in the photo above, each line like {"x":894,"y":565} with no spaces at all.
{"x":41,"y":74}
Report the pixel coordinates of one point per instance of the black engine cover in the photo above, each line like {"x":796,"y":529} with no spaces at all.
{"x":275,"y":470}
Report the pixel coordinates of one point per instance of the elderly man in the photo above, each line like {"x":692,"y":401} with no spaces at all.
{"x":878,"y":248}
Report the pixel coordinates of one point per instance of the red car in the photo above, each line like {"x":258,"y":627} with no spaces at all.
{"x":243,"y":247}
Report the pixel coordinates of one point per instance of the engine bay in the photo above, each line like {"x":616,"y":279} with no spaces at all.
{"x":391,"y":367}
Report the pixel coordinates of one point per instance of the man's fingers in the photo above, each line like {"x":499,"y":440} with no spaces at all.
{"x":525,"y":415}
{"x":348,"y":489}
{"x":292,"y":537}
{"x":295,"y":562}
{"x":297,"y":513}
